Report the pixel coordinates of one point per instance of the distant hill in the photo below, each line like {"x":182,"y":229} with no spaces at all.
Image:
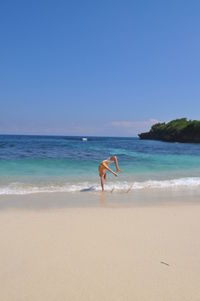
{"x":178,"y":130}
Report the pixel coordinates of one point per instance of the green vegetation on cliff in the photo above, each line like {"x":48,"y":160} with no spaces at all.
{"x":179,"y":130}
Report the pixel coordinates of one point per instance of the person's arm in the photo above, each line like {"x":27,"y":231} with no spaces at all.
{"x":108,"y":168}
{"x":114,"y":158}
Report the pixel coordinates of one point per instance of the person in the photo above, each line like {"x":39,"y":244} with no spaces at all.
{"x":103,"y":167}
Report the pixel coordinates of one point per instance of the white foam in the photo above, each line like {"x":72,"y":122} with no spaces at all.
{"x":18,"y":188}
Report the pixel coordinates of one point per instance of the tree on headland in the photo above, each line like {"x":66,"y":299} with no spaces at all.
{"x":178,"y":130}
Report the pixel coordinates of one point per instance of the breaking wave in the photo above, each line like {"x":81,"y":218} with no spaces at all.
{"x":19,"y":188}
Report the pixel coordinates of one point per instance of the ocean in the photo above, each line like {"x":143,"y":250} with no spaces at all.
{"x":32,"y":164}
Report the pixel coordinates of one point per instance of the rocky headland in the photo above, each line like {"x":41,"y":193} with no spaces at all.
{"x":178,"y":130}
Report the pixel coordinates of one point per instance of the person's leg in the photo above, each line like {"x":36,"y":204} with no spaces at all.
{"x":103,"y":177}
{"x":102,"y":182}
{"x":116,"y":163}
{"x":102,"y":173}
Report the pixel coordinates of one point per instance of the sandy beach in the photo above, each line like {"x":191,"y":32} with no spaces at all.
{"x":100,"y":253}
{"x":100,"y":151}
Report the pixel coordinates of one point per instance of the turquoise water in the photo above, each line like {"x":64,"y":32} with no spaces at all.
{"x":49,"y":163}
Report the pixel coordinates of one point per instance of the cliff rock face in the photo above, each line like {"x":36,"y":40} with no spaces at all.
{"x":179,"y":130}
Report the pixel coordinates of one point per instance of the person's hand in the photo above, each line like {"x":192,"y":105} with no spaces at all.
{"x":118,"y":170}
{"x":115,"y":174}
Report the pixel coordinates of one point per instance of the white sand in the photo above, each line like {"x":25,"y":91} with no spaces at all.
{"x":102,"y":254}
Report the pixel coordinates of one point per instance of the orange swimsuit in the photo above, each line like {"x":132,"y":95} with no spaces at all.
{"x":102,"y":168}
{"x":103,"y":165}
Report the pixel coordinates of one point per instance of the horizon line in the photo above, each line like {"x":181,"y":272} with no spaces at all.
{"x":61,"y":135}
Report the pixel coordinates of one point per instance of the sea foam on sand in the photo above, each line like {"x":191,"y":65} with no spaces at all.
{"x":20,"y":188}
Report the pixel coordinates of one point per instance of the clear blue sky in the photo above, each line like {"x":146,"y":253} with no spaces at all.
{"x":97,"y":67}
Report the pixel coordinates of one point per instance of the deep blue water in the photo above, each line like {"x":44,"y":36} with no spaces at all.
{"x":28,"y":163}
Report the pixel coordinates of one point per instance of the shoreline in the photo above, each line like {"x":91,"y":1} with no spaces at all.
{"x":85,"y":199}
